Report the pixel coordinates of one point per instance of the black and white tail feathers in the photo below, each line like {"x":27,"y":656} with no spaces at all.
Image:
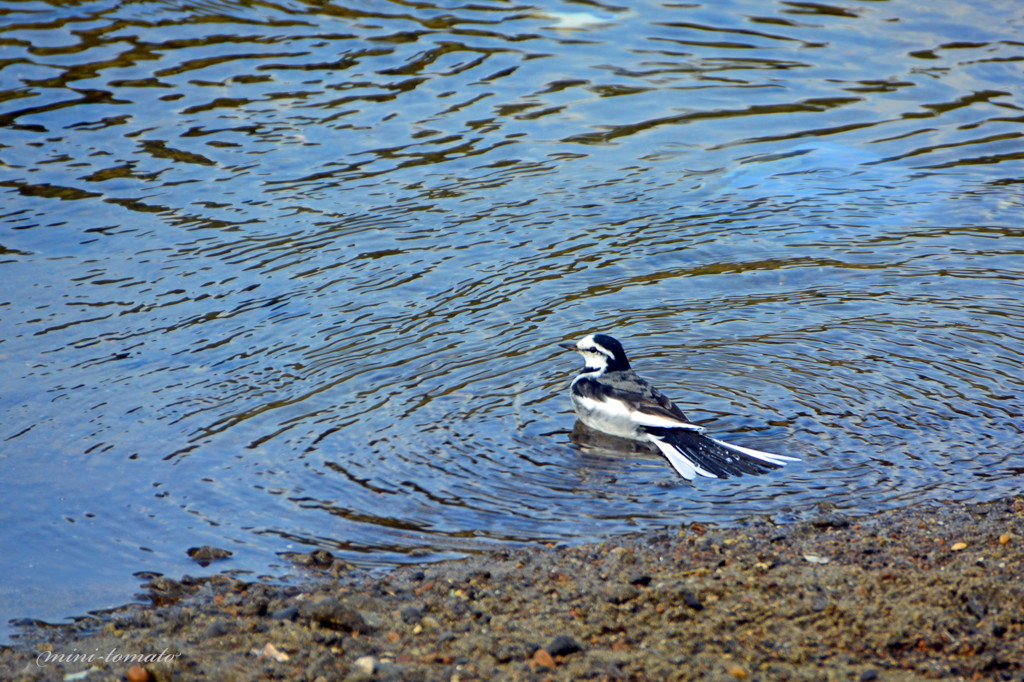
{"x":690,"y":453}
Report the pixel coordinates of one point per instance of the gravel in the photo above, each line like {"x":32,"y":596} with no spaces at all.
{"x":928,"y":593}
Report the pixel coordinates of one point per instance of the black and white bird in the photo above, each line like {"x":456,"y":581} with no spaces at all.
{"x":610,"y":397}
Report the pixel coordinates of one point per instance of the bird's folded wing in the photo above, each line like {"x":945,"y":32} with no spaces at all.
{"x":653,"y":408}
{"x":645,"y":405}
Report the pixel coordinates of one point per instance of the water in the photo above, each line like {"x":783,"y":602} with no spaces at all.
{"x":287,"y":275}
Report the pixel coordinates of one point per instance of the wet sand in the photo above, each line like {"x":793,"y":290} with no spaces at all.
{"x":927,"y":593}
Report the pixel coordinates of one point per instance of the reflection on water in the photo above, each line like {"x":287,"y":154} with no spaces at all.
{"x":283,"y":275}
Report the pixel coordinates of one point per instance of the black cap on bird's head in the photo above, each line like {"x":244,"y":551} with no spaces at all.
{"x":600,"y":351}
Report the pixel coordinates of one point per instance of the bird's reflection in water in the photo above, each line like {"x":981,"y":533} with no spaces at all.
{"x":593,"y":442}
{"x":611,"y":459}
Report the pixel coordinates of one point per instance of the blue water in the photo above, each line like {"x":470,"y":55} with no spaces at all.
{"x":278,"y":276}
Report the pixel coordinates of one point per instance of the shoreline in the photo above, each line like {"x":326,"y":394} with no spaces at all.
{"x":908,"y":594}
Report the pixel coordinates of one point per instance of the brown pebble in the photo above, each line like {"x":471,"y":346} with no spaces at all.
{"x":207,"y":554}
{"x":957,"y":546}
{"x":541,"y":657}
{"x":738,"y":671}
{"x":1005,"y":538}
{"x":137,"y":673}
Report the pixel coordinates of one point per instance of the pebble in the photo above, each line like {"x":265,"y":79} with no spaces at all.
{"x":957,"y":546}
{"x":207,"y":553}
{"x":331,"y":613}
{"x":411,"y":615}
{"x":832,"y":519}
{"x":318,"y":558}
{"x":286,"y":613}
{"x":255,"y":607}
{"x":543,"y":658}
{"x":680,"y":593}
{"x":366,"y":664}
{"x":271,"y":651}
{"x":137,"y":673}
{"x":620,"y":594}
{"x":164,"y":585}
{"x":563,"y":645}
{"x":738,"y":671}
{"x":217,"y":628}
{"x":640,"y":580}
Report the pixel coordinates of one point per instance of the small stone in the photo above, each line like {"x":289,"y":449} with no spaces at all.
{"x":255,"y":607}
{"x":411,"y":615}
{"x":958,"y":546}
{"x":738,"y":671}
{"x":868,"y":675}
{"x":543,"y":658}
{"x":271,"y":651}
{"x":366,"y":664}
{"x":563,"y":645}
{"x":165,"y":586}
{"x":620,"y":594}
{"x":286,"y":613}
{"x":690,"y":599}
{"x":331,"y":613}
{"x":1005,"y":538}
{"x":217,"y":628}
{"x":510,"y":651}
{"x":137,"y":673}
{"x":832,"y":519}
{"x":318,"y":558}
{"x":207,"y":554}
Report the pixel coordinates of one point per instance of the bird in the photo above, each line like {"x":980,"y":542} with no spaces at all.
{"x":609,"y":396}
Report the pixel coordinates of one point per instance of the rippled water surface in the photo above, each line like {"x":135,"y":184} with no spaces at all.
{"x":285,"y":275}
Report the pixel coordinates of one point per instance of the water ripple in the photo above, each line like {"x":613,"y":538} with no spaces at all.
{"x":290,"y":275}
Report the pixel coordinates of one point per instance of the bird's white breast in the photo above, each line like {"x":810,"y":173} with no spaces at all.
{"x":611,"y":416}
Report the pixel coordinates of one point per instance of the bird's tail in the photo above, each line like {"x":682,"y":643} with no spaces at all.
{"x":691,"y":453}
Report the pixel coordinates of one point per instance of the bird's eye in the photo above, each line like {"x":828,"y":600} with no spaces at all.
{"x":591,"y":350}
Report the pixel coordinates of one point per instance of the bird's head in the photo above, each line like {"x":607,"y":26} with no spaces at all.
{"x":600,"y":352}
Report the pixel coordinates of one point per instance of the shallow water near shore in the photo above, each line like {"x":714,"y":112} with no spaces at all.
{"x":290,"y":275}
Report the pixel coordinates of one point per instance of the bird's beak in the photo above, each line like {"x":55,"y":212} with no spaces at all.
{"x":568,"y":346}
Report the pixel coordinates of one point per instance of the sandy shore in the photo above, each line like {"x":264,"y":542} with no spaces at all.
{"x":934,"y":593}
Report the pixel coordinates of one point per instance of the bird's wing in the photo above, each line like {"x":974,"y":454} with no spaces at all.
{"x":651,"y":406}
